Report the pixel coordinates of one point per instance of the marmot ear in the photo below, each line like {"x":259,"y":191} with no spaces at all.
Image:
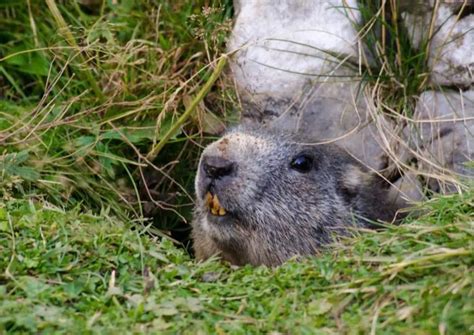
{"x":354,"y":178}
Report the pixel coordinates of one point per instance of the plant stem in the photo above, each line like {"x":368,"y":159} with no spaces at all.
{"x":61,"y":23}
{"x":199,"y":97}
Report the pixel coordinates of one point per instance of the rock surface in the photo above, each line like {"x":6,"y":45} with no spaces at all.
{"x":443,"y":135}
{"x":294,"y":69}
{"x":451,"y":55}
{"x":408,"y":188}
{"x":297,"y":68}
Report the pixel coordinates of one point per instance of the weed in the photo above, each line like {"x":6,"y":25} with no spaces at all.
{"x":89,"y":90}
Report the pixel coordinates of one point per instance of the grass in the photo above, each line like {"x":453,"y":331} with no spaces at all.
{"x":100,"y":127}
{"x":74,"y":272}
{"x":396,"y":73}
{"x":398,"y":70}
{"x":89,"y":93}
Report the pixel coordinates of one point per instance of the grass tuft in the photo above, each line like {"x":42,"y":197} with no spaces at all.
{"x":396,"y":69}
{"x":397,"y":72}
{"x":91,"y":88}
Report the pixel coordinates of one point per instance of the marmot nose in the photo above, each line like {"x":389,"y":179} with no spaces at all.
{"x":217,"y":167}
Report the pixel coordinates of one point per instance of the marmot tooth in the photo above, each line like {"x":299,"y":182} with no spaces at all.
{"x":216,"y":203}
{"x":213,"y":203}
{"x":209,"y":199}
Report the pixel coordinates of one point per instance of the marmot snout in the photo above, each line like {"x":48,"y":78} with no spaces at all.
{"x":262,"y":198}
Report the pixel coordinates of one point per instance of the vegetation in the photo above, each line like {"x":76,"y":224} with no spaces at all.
{"x":397,"y":70}
{"x":85,"y":102}
{"x":88,"y":91}
{"x":73,"y":272}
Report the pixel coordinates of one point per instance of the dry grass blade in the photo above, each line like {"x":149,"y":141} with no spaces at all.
{"x":199,"y":97}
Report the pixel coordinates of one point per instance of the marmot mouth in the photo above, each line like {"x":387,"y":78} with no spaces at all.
{"x":214,"y":205}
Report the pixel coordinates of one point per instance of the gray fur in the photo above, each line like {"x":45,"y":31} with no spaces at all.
{"x":275,"y":212}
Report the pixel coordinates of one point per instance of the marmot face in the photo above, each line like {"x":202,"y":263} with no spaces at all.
{"x":263,"y":198}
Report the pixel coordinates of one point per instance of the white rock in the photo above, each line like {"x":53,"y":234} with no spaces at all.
{"x":408,"y":189}
{"x":443,"y":136}
{"x":294,"y":68}
{"x":285,"y":44}
{"x":451,"y":50}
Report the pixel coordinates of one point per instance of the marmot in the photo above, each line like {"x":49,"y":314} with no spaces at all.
{"x":264,"y":197}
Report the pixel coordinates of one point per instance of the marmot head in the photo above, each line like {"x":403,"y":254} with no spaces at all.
{"x":263,"y":197}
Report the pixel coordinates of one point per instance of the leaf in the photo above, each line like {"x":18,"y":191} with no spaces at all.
{"x":165,"y":126}
{"x":30,"y":62}
{"x":193,"y":305}
{"x":83,"y":141}
{"x":210,"y":277}
{"x":114,"y":291}
{"x":73,"y":289}
{"x":158,"y":256}
{"x":47,"y":312}
{"x":106,"y":159}
{"x":4,"y":226}
{"x":100,"y":31}
{"x":167,"y":309}
{"x":135,"y":136}
{"x":135,"y":299}
{"x":319,"y":307}
{"x":84,"y":144}
{"x":11,"y":162}
{"x":15,"y":158}
{"x":160,"y":324}
{"x":32,"y":286}
{"x":3,"y":213}
{"x":30,"y":263}
{"x":27,"y":173}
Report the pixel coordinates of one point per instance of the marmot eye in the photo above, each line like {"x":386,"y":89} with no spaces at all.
{"x":302,"y":163}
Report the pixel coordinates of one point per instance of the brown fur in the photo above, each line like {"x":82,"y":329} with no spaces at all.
{"x":275,"y":212}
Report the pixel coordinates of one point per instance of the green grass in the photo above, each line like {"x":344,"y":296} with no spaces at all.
{"x":397,"y":70}
{"x":86,"y":96}
{"x":74,"y":272}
